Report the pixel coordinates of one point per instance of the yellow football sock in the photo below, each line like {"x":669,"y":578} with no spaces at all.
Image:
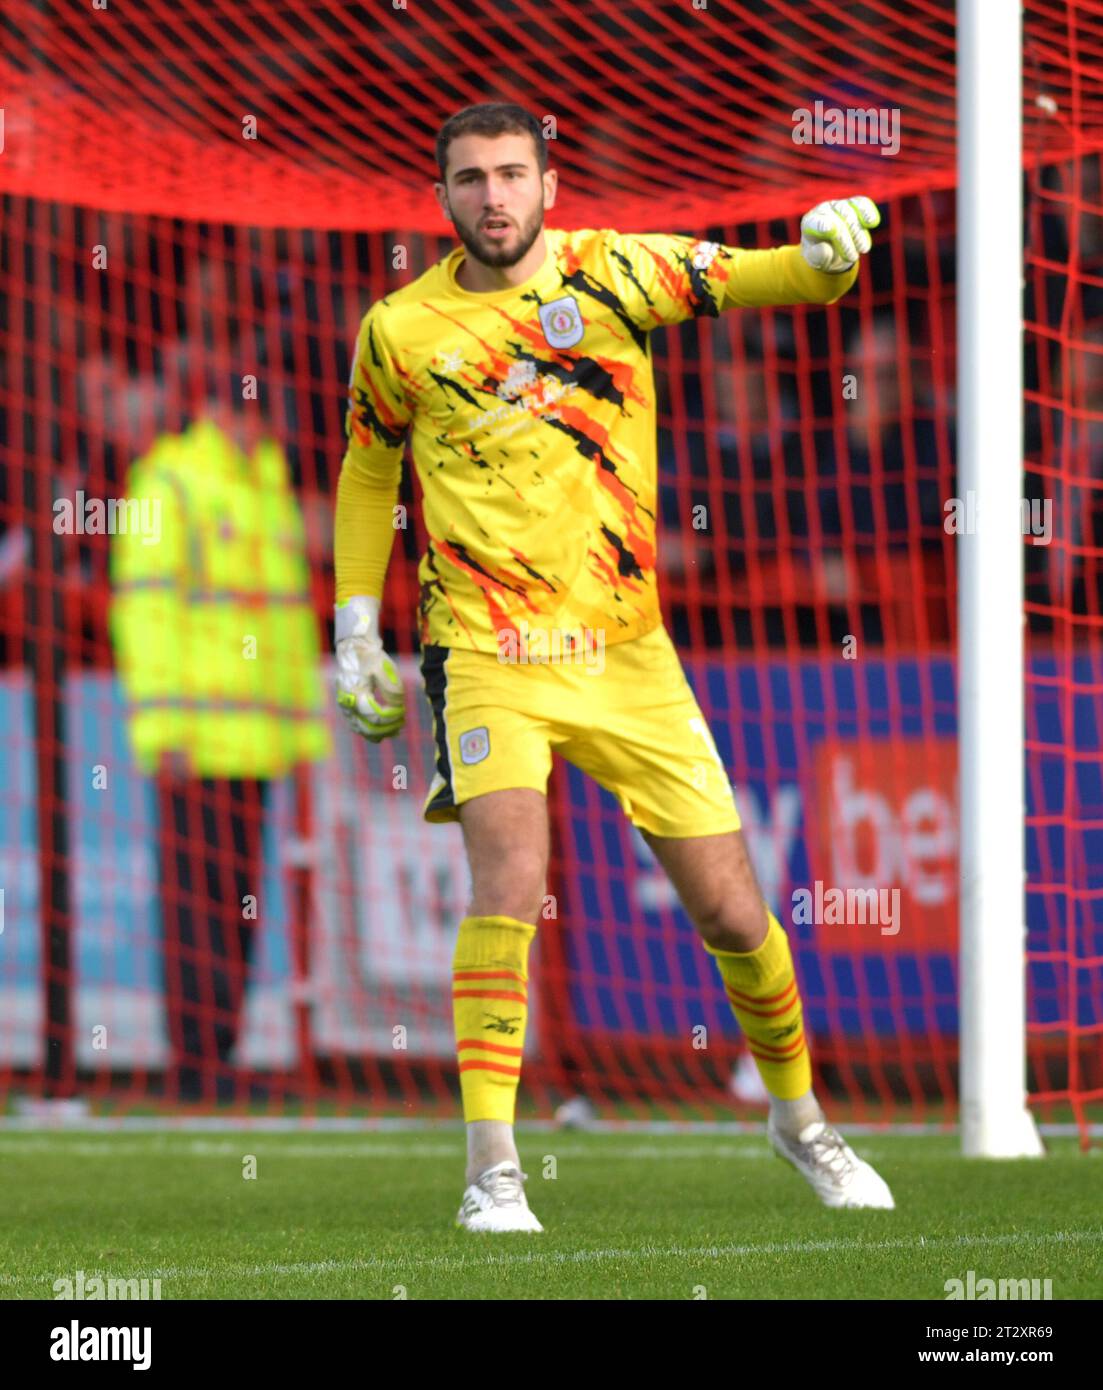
{"x":762,"y":990}
{"x":490,"y":1008}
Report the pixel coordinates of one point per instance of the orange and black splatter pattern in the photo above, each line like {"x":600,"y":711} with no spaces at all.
{"x":532,"y":424}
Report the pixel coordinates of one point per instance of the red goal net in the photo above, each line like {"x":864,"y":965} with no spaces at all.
{"x":197,"y":194}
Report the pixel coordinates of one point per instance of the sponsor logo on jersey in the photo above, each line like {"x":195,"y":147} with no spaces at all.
{"x":521,"y":377}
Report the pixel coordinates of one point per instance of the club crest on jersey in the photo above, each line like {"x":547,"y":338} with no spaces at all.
{"x":474,"y":745}
{"x":561,"y":320}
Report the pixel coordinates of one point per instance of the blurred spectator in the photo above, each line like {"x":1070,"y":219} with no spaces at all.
{"x":217,"y":648}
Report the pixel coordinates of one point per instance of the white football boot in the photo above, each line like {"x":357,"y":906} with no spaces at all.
{"x":838,"y":1176}
{"x":496,"y":1202}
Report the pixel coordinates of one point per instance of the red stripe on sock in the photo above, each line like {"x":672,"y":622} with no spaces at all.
{"x":736,"y":996}
{"x":780,"y":1054}
{"x":488,"y":1046}
{"x":764,"y":1013}
{"x":488,"y":994}
{"x":488,"y":975}
{"x":490,"y":1066}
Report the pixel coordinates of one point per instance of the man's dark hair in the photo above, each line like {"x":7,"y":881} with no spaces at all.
{"x":491,"y":118}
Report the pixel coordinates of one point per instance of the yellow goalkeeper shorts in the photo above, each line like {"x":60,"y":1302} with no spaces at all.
{"x":626,"y":715}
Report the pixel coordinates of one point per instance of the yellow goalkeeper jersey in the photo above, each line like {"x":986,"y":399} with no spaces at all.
{"x":531,"y":417}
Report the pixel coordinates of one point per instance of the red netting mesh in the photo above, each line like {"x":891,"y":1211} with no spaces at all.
{"x":154,"y":252}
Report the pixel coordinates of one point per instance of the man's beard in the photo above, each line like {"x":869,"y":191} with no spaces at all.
{"x":500,"y":256}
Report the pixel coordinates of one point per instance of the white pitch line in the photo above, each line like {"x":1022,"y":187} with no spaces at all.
{"x":207,"y":1148}
{"x":562,"y":1146}
{"x":752,"y":1150}
{"x":646,"y":1252}
{"x":284,"y":1124}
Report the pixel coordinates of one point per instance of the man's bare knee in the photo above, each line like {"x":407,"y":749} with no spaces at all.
{"x":506,"y":838}
{"x":728,"y":926}
{"x":716,"y":885}
{"x":513,"y":886}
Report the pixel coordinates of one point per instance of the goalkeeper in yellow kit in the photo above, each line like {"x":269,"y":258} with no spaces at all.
{"x":520,"y":368}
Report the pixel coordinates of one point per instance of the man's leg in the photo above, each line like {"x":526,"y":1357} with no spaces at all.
{"x":716,"y":883}
{"x":210,"y":858}
{"x":233,"y":834}
{"x":176,"y":831}
{"x":506,"y":838}
{"x":493,"y":734}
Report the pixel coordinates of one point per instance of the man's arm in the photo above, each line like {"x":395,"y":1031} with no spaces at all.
{"x":369,"y":689}
{"x":780,"y":276}
{"x":150,"y":576}
{"x":376,"y":421}
{"x":820,"y":270}
{"x":666,"y":279}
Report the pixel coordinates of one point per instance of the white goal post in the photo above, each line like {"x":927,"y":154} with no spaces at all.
{"x":995,"y":1121}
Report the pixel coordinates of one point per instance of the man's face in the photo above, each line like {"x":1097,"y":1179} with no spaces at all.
{"x":496,"y":180}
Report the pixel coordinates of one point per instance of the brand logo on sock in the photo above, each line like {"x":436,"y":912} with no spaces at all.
{"x":500,"y":1025}
{"x":784,"y":1032}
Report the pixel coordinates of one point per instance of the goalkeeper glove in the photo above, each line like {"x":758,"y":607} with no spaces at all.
{"x":834,"y":235}
{"x":369,"y":690}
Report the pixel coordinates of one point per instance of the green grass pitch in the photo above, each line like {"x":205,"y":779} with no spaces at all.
{"x":370,"y":1216}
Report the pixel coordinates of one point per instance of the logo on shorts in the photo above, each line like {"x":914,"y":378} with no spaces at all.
{"x":474,"y":745}
{"x":561,"y":320}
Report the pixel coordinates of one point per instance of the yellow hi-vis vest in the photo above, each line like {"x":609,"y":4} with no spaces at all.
{"x":216,"y":642}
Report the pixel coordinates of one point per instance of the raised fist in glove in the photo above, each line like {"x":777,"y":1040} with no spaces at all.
{"x":369,"y":689}
{"x":833,"y":235}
